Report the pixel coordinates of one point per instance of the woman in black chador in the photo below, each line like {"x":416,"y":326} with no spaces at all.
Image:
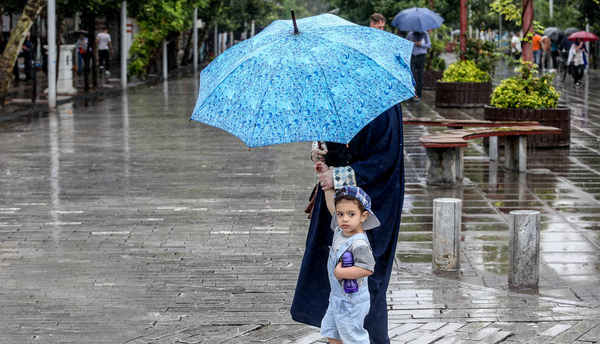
{"x":373,"y":160}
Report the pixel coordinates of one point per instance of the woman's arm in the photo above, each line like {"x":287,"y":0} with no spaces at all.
{"x":353,"y":272}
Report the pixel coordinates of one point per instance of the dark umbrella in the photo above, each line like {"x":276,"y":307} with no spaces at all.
{"x":570,"y":31}
{"x":554,"y":33}
{"x":417,"y":19}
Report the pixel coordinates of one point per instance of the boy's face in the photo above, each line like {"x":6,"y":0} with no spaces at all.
{"x":349,"y":217}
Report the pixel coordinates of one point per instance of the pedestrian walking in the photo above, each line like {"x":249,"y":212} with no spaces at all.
{"x":373,"y":160}
{"x":27,"y":53}
{"x":82,"y":49}
{"x":546,"y":56}
{"x":536,"y":48}
{"x":104,"y":44}
{"x":554,"y":54}
{"x":577,"y":60}
{"x":348,"y":305}
{"x":418,"y":58}
{"x":516,"y":46}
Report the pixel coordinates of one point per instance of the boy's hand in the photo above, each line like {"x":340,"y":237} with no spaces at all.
{"x":337,"y":270}
{"x":326,"y":178}
{"x":321,"y":167}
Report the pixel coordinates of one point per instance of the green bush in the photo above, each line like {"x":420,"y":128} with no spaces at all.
{"x":464,"y":71}
{"x":526,"y":91}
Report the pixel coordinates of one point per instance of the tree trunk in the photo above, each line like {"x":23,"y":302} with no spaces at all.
{"x":7,"y":62}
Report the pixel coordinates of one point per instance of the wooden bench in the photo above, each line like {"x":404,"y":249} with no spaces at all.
{"x":469,"y":123}
{"x":444,"y":150}
{"x":462,"y":123}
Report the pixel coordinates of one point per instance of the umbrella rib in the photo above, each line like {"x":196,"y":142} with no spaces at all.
{"x":263,"y":97}
{"x":326,"y":82}
{"x":376,"y":62}
{"x":235,"y":68}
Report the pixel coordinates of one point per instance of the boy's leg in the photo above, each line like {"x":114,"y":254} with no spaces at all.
{"x":328,"y":326}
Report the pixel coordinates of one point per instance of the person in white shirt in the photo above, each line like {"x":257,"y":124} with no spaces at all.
{"x":516,"y":46}
{"x":103,"y":41}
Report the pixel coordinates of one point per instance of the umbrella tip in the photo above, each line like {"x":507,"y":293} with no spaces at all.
{"x":294,"y":22}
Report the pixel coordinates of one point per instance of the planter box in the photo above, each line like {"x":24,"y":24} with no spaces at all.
{"x":463,"y":94}
{"x":559,"y":118}
{"x":430,"y":79}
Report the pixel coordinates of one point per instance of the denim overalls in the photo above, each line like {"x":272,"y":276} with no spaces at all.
{"x":346,"y":312}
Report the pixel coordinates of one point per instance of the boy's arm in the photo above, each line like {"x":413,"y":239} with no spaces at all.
{"x":353,"y":272}
{"x":320,"y":167}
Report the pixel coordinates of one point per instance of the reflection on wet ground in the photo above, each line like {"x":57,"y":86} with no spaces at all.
{"x":563,"y":184}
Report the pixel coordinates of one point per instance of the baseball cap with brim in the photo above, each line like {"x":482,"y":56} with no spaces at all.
{"x":372,"y":221}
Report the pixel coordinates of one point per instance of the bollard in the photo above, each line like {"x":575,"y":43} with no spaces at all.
{"x":446,"y":239}
{"x":524,"y":240}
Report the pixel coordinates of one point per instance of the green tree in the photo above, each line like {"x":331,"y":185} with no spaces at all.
{"x":31,"y":10}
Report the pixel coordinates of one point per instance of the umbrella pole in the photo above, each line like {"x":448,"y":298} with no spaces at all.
{"x":294,"y":22}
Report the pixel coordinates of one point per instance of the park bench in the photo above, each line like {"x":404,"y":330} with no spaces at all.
{"x":462,"y":123}
{"x":471,"y":123}
{"x":444,"y":150}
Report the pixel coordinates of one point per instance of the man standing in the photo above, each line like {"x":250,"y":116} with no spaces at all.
{"x":103,"y":41}
{"x":377,"y":21}
{"x":516,"y":46}
{"x":418,"y":58}
{"x":536,"y":51}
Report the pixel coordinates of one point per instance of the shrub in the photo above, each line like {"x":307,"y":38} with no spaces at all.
{"x":464,"y":71}
{"x":526,"y":91}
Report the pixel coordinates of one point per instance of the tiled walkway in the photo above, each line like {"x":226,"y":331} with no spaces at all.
{"x":120,"y":222}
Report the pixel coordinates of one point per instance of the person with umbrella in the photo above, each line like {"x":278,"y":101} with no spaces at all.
{"x":577,"y":60}
{"x":326,"y":79}
{"x":421,"y":39}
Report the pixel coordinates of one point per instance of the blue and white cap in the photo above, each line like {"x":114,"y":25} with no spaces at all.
{"x":355,"y":191}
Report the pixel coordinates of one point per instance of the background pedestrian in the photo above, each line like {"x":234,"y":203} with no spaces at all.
{"x":516,"y":46}
{"x":103,"y":41}
{"x":418,"y":58}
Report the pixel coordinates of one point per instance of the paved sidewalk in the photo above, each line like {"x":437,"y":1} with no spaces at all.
{"x":120,"y":222}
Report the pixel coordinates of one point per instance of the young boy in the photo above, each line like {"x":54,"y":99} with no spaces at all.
{"x":351,"y":217}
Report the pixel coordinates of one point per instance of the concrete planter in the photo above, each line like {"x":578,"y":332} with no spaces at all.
{"x":430,"y":78}
{"x":463,"y":94}
{"x":559,"y":118}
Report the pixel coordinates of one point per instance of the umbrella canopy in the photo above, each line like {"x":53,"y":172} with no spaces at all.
{"x":325,"y":82}
{"x":417,"y":19}
{"x":554,"y":34}
{"x":570,"y":31}
{"x":584,"y":36}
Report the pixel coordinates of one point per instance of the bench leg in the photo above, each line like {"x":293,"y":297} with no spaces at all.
{"x":440,"y":166}
{"x":493,"y":147}
{"x":515,"y":153}
{"x":459,"y":162}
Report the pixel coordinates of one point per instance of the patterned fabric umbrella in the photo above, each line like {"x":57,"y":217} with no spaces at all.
{"x":324,"y":81}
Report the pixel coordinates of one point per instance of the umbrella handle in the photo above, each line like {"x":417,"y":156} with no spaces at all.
{"x":294,"y":22}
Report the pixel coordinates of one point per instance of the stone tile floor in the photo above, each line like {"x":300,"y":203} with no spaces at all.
{"x":122,"y":223}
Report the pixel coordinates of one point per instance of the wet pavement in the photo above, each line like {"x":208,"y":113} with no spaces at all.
{"x":120,"y":222}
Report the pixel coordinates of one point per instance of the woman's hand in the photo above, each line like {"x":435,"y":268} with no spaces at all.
{"x":326,"y":177}
{"x":318,"y":152}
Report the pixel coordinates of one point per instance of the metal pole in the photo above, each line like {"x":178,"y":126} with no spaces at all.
{"x":216,"y":41}
{"x":52,"y":53}
{"x":123,"y":45}
{"x":164,"y":60}
{"x":588,"y":44}
{"x":551,"y":10}
{"x":195,"y":35}
{"x":463,"y":27}
{"x":500,"y":28}
{"x":252,"y":28}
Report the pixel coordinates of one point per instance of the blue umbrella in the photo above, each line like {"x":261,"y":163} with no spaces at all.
{"x":325,"y":81}
{"x":417,"y":19}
